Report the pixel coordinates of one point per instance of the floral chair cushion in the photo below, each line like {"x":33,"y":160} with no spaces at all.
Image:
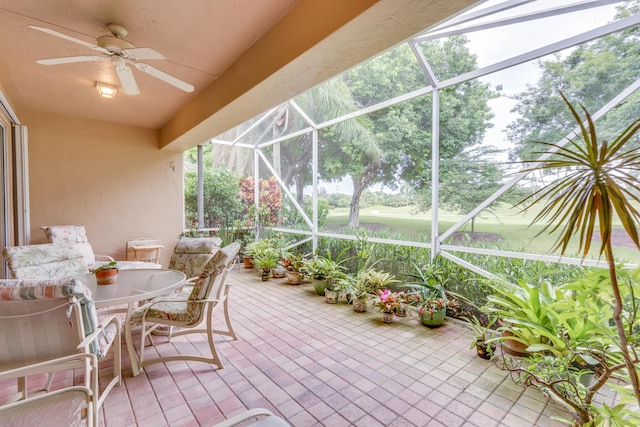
{"x":44,"y":261}
{"x":174,"y":307}
{"x":21,"y":290}
{"x":181,"y":306}
{"x":192,"y":265}
{"x":191,"y":255}
{"x":71,"y":234}
{"x":197,"y":245}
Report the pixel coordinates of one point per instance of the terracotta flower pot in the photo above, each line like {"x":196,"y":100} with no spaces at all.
{"x":248,"y":262}
{"x":514,"y":348}
{"x":106,"y":277}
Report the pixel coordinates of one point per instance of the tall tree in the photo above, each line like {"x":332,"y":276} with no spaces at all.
{"x":468,"y":179}
{"x":346,"y":149}
{"x":593,"y":73}
{"x":404,"y":131}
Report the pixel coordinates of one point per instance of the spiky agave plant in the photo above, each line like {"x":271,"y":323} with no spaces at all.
{"x":600,"y":181}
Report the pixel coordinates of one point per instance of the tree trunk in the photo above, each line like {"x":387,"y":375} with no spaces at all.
{"x":617,"y":319}
{"x":299,"y":189}
{"x":360,"y":184}
{"x":354,"y":211}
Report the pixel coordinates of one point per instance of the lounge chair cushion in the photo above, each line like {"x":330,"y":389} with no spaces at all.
{"x":71,"y":234}
{"x":197,"y":245}
{"x":44,"y":261}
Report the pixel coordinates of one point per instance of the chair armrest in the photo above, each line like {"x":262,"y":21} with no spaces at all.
{"x":89,"y":338}
{"x":104,"y":258}
{"x":58,"y":364}
{"x":197,"y":301}
{"x":193,"y":301}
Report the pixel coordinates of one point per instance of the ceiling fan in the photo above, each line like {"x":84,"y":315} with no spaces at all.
{"x":121,"y":52}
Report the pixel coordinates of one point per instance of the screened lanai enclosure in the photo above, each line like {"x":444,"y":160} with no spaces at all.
{"x":427,"y":148}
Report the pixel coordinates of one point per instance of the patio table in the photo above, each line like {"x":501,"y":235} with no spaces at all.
{"x":132,"y":287}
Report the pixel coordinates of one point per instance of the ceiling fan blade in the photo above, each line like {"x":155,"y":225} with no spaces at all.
{"x":125,"y":75}
{"x":137,"y":53}
{"x":69,"y":59}
{"x":71,"y":39}
{"x":164,"y":77}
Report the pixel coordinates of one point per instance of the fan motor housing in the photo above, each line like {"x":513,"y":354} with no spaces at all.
{"x":113,"y":43}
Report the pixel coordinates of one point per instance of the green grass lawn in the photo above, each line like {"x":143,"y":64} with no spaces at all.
{"x":510,"y":227}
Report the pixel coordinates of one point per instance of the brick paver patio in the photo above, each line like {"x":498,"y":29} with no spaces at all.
{"x":318,"y":364}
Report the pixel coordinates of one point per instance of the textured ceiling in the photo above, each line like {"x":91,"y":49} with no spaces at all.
{"x":199,"y":41}
{"x":242,"y":56}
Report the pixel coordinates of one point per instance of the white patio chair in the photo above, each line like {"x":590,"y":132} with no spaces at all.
{"x":42,"y":320}
{"x":191,"y":256}
{"x":77,"y":235}
{"x":187,"y":310}
{"x":68,"y":406}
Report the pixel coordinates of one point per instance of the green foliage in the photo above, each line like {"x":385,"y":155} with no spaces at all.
{"x":576,"y":340}
{"x":594,"y":73}
{"x":481,"y":330}
{"x":291,"y":218}
{"x":221,"y":203}
{"x":270,"y":201}
{"x":113,"y":265}
{"x":602,"y":181}
{"x":266,"y":259}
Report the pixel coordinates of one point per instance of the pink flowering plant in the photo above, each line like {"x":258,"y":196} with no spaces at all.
{"x":388,"y":301}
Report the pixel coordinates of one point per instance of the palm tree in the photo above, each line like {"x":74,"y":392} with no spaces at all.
{"x":600,"y":181}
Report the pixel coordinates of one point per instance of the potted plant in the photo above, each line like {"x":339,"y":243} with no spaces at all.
{"x":429,"y":294}
{"x":388,"y":302}
{"x":317,"y":271}
{"x":334,"y":273}
{"x":266,"y":261}
{"x":483,"y":348}
{"x":254,"y":249}
{"x":325,"y":271}
{"x":296,"y":268}
{"x":106,"y":274}
{"x":597,"y":184}
{"x":360,"y":290}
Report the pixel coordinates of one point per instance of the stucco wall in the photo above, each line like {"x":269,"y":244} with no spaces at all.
{"x":113,"y":179}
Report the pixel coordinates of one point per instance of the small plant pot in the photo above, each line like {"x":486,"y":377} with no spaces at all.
{"x":319,"y":286}
{"x":330,"y":297}
{"x":248,"y":262}
{"x":387,"y":317}
{"x":266,"y":273}
{"x":360,"y":305}
{"x":434,"y":319}
{"x":278,"y":272}
{"x":294,"y":277}
{"x":106,"y":277}
{"x":485,"y":351}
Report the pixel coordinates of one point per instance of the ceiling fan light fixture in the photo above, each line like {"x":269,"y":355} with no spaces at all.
{"x":106,"y":90}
